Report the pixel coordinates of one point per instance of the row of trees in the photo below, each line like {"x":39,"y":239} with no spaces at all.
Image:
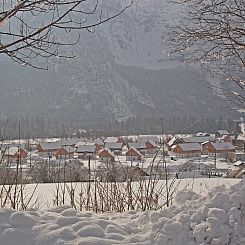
{"x":45,"y":127}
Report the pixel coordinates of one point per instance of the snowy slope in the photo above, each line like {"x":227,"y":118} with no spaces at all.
{"x":122,"y":70}
{"x":217,"y":218}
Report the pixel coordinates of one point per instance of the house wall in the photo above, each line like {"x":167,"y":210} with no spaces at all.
{"x":180,"y":153}
{"x":106,"y":157}
{"x":133,"y":158}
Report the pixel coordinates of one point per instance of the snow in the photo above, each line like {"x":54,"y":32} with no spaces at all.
{"x":217,"y":218}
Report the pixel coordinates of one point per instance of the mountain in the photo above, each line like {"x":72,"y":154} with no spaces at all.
{"x":121,"y":70}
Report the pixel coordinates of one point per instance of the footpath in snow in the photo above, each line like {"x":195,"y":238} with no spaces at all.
{"x":216,"y":219}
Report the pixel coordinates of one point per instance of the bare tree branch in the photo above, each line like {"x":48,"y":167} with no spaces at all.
{"x":37,"y":28}
{"x":212,"y":33}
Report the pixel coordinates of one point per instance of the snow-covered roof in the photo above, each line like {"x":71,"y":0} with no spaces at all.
{"x":238,"y":163}
{"x":69,"y":149}
{"x":111,"y":139}
{"x":80,"y":143}
{"x":107,"y":150}
{"x":223,"y":146}
{"x":86,"y":149}
{"x":198,"y":139}
{"x":144,"y":139}
{"x":114,"y":146}
{"x":98,"y":141}
{"x":190,"y":146}
{"x":135,"y":150}
{"x":137,"y":145}
{"x":222,"y":132}
{"x":51,"y":145}
{"x":12,"y":150}
{"x":171,"y":141}
{"x":152,"y":142}
{"x":69,"y":142}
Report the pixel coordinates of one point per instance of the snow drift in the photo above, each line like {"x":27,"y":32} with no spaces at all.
{"x":217,"y":218}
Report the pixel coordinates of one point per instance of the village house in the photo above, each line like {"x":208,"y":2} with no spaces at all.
{"x":137,"y":173}
{"x":198,"y":139}
{"x":139,"y":146}
{"x":86,"y":151}
{"x":221,"y":133}
{"x":106,"y":155}
{"x":113,"y":140}
{"x":98,"y":144}
{"x":70,"y":142}
{"x":116,"y":148}
{"x":15,"y":153}
{"x":65,"y":152}
{"x":173,"y":142}
{"x":133,"y":155}
{"x":48,"y":149}
{"x":151,"y":147}
{"x":188,"y":150}
{"x":204,"y":146}
{"x":221,"y":149}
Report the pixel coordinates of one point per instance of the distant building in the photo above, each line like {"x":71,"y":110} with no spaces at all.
{"x":86,"y":151}
{"x":133,"y":155}
{"x":188,"y":150}
{"x":173,"y":141}
{"x":198,"y":139}
{"x":151,"y":147}
{"x":221,"y":133}
{"x":65,"y":152}
{"x":221,"y":149}
{"x":48,"y":149}
{"x":15,"y":153}
{"x":106,"y":155}
{"x":113,"y":140}
{"x":116,"y":148}
{"x":139,"y":146}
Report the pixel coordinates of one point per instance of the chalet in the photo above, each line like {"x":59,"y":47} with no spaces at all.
{"x":113,"y":140}
{"x":48,"y":148}
{"x":65,"y":152}
{"x":151,"y":147}
{"x":152,"y":138}
{"x":132,"y":154}
{"x":174,"y":141}
{"x":221,"y":133}
{"x":221,"y":149}
{"x":86,"y":151}
{"x":116,"y":148}
{"x":15,"y":153}
{"x":98,"y":144}
{"x":188,"y":150}
{"x":139,"y":146}
{"x":106,"y":155}
{"x":137,"y":173}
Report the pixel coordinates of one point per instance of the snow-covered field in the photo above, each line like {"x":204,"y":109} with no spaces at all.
{"x":217,"y":218}
{"x":43,"y":196}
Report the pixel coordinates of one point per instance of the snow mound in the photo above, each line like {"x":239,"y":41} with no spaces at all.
{"x":216,"y":219}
